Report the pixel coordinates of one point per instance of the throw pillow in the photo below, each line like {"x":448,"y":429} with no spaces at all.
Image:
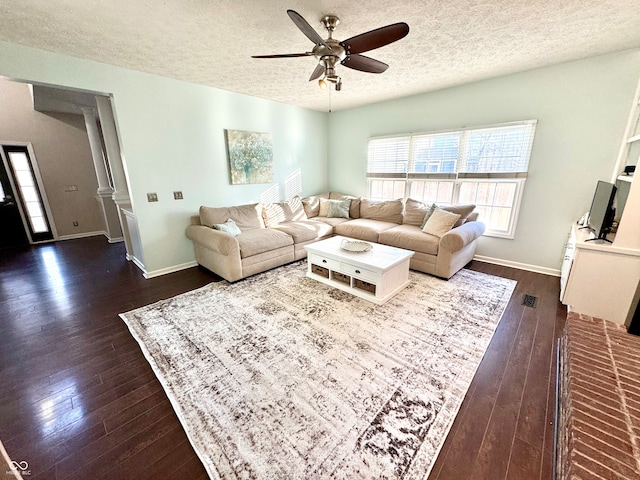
{"x":428,"y":214}
{"x":334,"y":208}
{"x":354,"y":208}
{"x":312,"y":204}
{"x":229,"y":227}
{"x":324,"y":207}
{"x":440,"y":222}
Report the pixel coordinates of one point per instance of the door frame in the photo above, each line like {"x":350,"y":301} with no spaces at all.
{"x":40,"y":184}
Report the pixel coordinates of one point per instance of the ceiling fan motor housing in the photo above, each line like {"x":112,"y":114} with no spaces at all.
{"x":336,"y":51}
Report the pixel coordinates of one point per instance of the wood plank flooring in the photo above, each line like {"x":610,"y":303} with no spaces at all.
{"x":78,"y":399}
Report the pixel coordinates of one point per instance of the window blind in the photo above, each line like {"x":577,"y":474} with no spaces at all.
{"x":388,"y":157}
{"x":497,"y":149}
{"x":437,"y":153}
{"x":501,"y":149}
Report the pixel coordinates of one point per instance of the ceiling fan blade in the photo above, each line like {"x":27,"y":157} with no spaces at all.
{"x":284,"y":55}
{"x":375,"y":38}
{"x":317,"y":72}
{"x":307,"y":29}
{"x":364,"y":64}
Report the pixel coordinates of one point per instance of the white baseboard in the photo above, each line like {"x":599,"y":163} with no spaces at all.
{"x":115,"y":239}
{"x":137,"y":263}
{"x":479,"y":258}
{"x":174,"y":268}
{"x":521,"y":266}
{"x":81,"y":235}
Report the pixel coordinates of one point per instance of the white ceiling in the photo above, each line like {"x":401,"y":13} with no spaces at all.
{"x":210,"y":42}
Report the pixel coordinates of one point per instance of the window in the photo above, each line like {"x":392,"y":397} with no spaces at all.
{"x":29,"y":193}
{"x":486,"y":166}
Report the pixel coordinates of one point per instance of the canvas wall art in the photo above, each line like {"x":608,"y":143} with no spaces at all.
{"x":250,"y":157}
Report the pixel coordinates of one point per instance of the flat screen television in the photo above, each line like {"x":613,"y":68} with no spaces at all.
{"x":602,"y":213}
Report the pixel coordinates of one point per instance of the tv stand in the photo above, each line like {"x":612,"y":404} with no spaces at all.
{"x":599,"y":279}
{"x":595,"y":239}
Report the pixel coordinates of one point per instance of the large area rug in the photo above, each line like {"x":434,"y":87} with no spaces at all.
{"x":280,"y":377}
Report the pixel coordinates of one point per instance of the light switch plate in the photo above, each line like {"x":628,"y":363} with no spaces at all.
{"x":152,"y":197}
{"x":177,"y":195}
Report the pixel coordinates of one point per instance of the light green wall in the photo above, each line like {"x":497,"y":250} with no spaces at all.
{"x":172,"y":136}
{"x":581,"y":108}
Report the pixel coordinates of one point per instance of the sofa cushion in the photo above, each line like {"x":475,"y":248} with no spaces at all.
{"x":312,"y":204}
{"x":363,"y":229}
{"x":256,"y":241}
{"x":410,"y":237}
{"x":330,"y":221}
{"x":229,"y":227}
{"x":290,"y":211}
{"x":246,"y":217}
{"x":440,"y":222}
{"x":463,"y":210}
{"x":382,"y":210}
{"x":354,"y":208}
{"x":334,"y":208}
{"x":305,"y":230}
{"x":414,"y":212}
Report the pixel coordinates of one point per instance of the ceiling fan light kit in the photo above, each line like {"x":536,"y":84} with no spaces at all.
{"x":330,"y":51}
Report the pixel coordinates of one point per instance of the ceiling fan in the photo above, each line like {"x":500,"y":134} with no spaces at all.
{"x":331,"y":51}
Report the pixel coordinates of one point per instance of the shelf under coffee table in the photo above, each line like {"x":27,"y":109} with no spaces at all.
{"x":376,"y":275}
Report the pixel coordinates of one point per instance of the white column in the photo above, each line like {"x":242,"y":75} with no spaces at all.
{"x":112,"y":146}
{"x":96,"y":151}
{"x":121,"y":190}
{"x":105,"y":192}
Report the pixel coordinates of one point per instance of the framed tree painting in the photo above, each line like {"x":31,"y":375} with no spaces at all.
{"x":250,"y":157}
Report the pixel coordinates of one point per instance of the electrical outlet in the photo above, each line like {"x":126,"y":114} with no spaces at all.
{"x":177,"y":195}
{"x":152,"y":197}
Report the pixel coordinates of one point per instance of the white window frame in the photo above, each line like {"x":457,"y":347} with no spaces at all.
{"x":458,"y":178}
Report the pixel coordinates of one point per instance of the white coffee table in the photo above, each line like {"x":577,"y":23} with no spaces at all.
{"x":376,"y":275}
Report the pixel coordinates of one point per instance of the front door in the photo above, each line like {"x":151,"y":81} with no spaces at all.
{"x":19,"y":167}
{"x":12,"y":233}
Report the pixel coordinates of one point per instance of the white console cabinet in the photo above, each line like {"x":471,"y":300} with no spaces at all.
{"x":598,"y":278}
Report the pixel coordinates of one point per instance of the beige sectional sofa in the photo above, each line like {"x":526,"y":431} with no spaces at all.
{"x":270,"y":235}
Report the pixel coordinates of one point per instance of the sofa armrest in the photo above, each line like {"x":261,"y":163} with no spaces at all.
{"x":459,"y":237}
{"x":215,"y":240}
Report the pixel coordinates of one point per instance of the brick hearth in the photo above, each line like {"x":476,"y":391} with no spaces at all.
{"x":599,"y":401}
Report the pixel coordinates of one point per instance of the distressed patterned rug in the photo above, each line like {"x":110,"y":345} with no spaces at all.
{"x":279,"y":376}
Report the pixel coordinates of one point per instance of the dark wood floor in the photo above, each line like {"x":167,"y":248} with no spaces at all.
{"x":79,"y":400}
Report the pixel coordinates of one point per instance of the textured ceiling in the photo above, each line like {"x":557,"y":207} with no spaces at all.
{"x":210,"y":42}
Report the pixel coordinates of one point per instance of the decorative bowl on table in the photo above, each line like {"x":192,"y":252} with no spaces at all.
{"x":355,"y":246}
